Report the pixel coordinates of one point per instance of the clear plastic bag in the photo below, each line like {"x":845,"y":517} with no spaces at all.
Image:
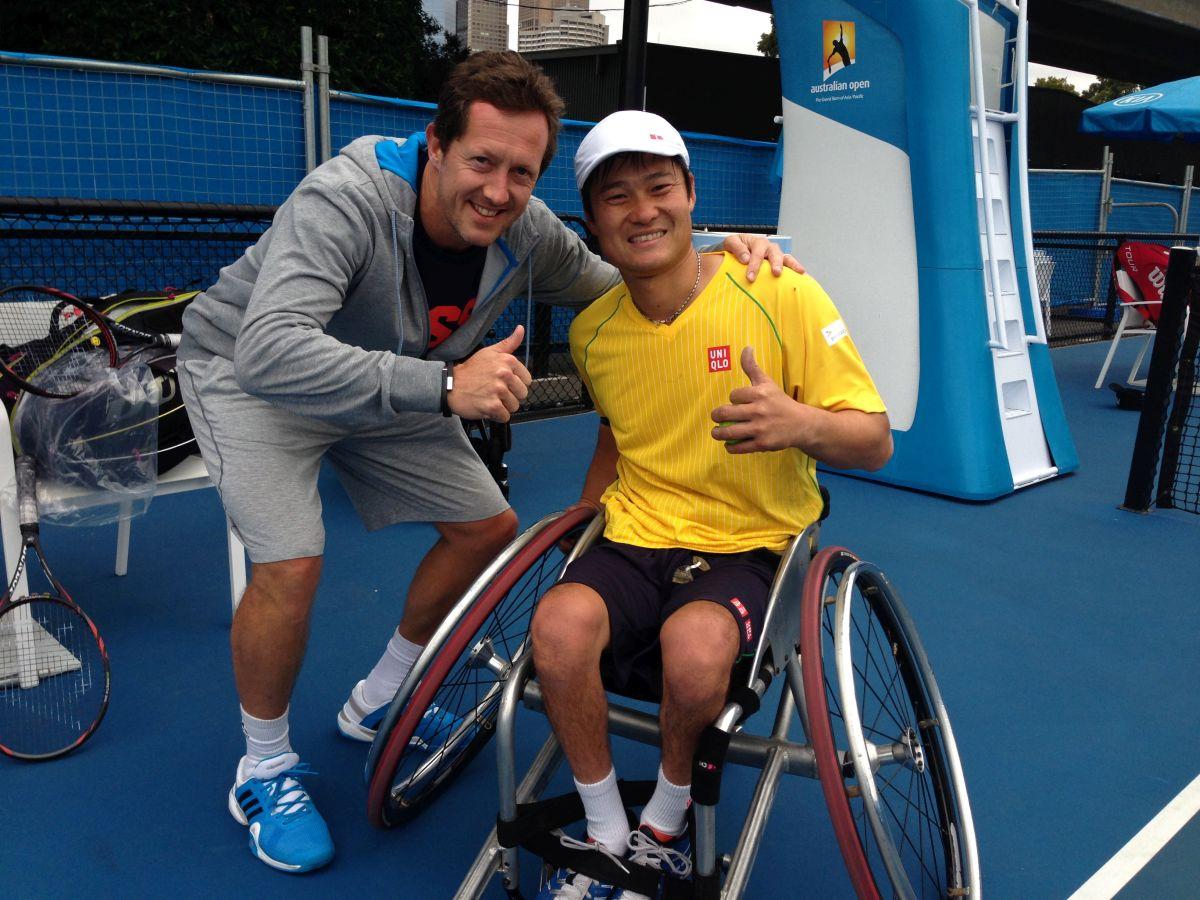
{"x":96,"y":450}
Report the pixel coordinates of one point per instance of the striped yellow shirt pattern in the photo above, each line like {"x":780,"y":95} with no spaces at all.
{"x":657,"y":385}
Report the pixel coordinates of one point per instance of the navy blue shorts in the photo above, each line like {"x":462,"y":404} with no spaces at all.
{"x":637,"y":587}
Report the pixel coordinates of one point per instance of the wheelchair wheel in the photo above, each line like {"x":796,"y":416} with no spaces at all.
{"x":462,"y":673}
{"x":886,"y":756}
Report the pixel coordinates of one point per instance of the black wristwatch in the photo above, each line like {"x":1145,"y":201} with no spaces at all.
{"x":447,"y":387}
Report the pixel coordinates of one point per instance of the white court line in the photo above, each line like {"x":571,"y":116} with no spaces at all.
{"x":1130,"y":859}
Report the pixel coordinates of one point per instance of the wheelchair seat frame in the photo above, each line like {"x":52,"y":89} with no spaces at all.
{"x":884,"y":752}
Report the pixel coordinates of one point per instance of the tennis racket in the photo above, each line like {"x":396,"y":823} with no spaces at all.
{"x":42,"y":333}
{"x":54,"y":677}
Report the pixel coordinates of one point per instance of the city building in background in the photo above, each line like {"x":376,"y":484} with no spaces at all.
{"x":482,"y":24}
{"x":562,"y":28}
{"x":442,"y":12}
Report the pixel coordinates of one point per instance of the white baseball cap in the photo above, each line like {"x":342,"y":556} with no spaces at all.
{"x":627,"y":131}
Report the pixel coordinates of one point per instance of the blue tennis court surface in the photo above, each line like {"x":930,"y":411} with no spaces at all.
{"x":1172,"y":872}
{"x":1062,"y":630}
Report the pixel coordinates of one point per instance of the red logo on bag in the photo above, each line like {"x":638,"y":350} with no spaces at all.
{"x":718,"y":359}
{"x":737,"y":604}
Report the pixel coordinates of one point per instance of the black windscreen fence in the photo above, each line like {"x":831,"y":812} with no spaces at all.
{"x":1075,"y":280}
{"x":96,"y":248}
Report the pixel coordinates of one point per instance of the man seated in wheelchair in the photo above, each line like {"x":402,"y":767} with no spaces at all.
{"x":718,"y":395}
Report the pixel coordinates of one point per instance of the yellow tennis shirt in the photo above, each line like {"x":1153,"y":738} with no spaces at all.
{"x":658,"y":384}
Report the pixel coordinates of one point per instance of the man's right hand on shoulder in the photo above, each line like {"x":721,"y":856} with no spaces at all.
{"x":492,"y":382}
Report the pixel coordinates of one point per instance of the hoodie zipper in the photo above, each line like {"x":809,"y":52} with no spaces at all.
{"x":399,"y":286}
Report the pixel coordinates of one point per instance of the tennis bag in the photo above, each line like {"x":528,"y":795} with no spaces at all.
{"x":162,"y":312}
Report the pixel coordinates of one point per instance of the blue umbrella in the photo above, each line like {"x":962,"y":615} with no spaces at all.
{"x":1158,"y":113}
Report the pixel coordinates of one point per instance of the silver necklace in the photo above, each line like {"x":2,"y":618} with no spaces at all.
{"x":682,"y":306}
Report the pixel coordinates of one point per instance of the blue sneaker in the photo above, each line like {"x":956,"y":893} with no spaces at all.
{"x":361,"y":722}
{"x":286,"y":831}
{"x":672,"y":855}
{"x":564,"y":884}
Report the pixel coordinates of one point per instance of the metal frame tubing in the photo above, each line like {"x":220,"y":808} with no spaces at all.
{"x":95,"y":65}
{"x":306,"y":75}
{"x":323,"y":97}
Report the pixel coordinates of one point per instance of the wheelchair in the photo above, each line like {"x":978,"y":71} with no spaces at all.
{"x":857,"y":680}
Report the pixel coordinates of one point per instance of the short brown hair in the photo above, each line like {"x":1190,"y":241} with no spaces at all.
{"x":507,"y":82}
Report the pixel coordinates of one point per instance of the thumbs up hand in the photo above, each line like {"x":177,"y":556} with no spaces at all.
{"x":752,"y":369}
{"x":758,"y":417}
{"x":492,"y":382}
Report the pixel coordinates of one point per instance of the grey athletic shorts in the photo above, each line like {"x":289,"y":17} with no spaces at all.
{"x":265,"y":460}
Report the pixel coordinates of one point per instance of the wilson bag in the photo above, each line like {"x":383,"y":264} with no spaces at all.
{"x":160,"y":312}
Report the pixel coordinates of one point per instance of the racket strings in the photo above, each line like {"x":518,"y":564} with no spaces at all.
{"x":53,"y":678}
{"x":50,"y":339}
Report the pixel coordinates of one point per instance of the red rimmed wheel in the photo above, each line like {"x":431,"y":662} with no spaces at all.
{"x":885,"y":751}
{"x":461,"y":675}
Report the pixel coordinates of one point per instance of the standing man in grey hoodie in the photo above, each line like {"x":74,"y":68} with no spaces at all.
{"x":336,"y":336}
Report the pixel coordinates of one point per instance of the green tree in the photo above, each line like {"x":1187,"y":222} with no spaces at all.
{"x":1104,"y":89}
{"x":768,"y":44}
{"x":386,"y":47}
{"x":1058,"y":84}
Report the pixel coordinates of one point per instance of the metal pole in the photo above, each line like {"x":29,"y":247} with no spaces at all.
{"x":323,"y":96}
{"x":1106,"y":167}
{"x":633,"y":54}
{"x":1187,"y":198}
{"x":306,"y":75}
{"x":94,"y":65}
{"x":1105,"y":206}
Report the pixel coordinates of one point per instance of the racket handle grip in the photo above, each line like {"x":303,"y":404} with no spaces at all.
{"x":27,"y":507}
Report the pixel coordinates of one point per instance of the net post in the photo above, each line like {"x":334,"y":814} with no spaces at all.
{"x":1181,"y":411}
{"x":1144,"y":464}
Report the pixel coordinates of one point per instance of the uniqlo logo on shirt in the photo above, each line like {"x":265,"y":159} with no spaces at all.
{"x":718,"y":359}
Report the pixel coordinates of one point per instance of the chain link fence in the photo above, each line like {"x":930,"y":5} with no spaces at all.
{"x":97,"y":248}
{"x":1075,"y":280}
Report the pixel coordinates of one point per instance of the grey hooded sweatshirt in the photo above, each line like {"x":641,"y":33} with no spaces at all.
{"x":326,"y":315}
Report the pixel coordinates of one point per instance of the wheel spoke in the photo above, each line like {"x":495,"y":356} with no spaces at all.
{"x":467,"y":689}
{"x":902,"y":817}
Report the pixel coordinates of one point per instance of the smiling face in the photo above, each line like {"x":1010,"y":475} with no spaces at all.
{"x":478,"y":185}
{"x":641,"y":212}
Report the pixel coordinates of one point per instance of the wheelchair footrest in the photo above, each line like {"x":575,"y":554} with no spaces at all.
{"x":535,"y":823}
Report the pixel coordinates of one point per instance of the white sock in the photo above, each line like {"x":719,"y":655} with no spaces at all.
{"x":264,"y":738}
{"x":667,"y":809}
{"x":606,"y":820}
{"x":389,"y":673}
